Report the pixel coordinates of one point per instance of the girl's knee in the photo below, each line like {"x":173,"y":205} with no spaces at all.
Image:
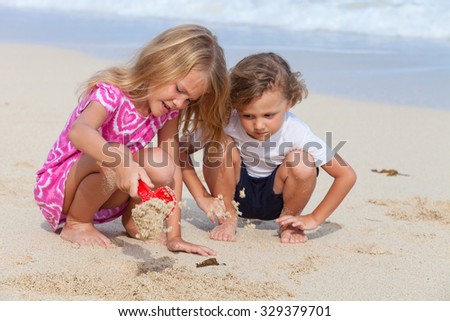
{"x":158,"y":164}
{"x":115,"y":153}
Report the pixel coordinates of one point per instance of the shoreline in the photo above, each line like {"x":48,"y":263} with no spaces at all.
{"x":387,"y":241}
{"x":396,"y":70}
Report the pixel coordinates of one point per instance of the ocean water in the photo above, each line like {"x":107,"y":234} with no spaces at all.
{"x":389,"y":51}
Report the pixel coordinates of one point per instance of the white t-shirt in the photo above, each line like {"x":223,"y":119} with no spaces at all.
{"x":262,"y":157}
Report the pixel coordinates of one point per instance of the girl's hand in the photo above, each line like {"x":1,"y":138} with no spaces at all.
{"x":127,"y":178}
{"x":303,"y":222}
{"x":213,"y":207}
{"x":179,"y":245}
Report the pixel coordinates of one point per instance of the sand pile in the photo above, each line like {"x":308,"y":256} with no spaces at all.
{"x":150,"y":216}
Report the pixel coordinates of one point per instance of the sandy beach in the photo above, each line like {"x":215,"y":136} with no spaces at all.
{"x":389,"y":240}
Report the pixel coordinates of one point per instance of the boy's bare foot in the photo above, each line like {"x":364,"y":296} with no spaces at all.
{"x":225,"y":231}
{"x":84,"y":234}
{"x":292,"y":235}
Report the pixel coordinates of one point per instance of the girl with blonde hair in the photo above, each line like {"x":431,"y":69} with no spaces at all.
{"x":92,"y":171}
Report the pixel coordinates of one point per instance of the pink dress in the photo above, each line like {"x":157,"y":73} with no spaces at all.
{"x":123,"y":125}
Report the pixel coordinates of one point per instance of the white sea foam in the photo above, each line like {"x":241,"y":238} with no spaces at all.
{"x":340,"y":46}
{"x":406,"y":18}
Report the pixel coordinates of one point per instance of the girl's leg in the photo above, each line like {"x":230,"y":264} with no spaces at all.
{"x":221,"y":175}
{"x":160,"y":167}
{"x":88,"y":187}
{"x":296,"y":180}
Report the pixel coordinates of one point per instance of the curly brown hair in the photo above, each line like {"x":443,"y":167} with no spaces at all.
{"x":258,"y":73}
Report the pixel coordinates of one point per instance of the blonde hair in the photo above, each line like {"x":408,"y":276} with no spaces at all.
{"x":258,"y":73}
{"x":166,"y":59}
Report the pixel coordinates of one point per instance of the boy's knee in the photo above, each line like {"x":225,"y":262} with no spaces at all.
{"x":301,"y":165}
{"x":303,"y":172}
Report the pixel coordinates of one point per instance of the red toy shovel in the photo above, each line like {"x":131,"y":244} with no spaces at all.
{"x":163,"y":193}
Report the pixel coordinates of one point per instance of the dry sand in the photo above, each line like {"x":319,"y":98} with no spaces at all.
{"x":389,"y":240}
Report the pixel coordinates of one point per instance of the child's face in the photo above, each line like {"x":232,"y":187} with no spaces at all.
{"x":263,"y":117}
{"x":177,"y":95}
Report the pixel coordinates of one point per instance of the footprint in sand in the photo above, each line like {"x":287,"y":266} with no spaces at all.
{"x":306,"y":265}
{"x":371,"y":250}
{"x":416,"y":209}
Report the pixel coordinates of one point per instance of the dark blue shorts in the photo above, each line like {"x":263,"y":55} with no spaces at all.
{"x":260,"y":201}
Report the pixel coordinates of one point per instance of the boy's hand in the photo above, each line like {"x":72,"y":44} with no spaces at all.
{"x":303,"y":222}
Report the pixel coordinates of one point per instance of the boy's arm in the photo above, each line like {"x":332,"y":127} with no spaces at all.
{"x":344,"y":179}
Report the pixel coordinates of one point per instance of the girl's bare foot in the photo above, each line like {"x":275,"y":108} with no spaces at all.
{"x":84,"y":234}
{"x":292,"y":235}
{"x":225,"y":231}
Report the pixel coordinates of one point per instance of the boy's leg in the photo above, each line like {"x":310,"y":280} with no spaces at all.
{"x":296,"y":180}
{"x":221,"y":174}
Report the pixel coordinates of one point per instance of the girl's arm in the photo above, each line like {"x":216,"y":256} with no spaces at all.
{"x":84,"y":133}
{"x":167,"y":140}
{"x":344,"y":179}
{"x":85,"y":137}
{"x":205,"y":201}
{"x":190,"y":177}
